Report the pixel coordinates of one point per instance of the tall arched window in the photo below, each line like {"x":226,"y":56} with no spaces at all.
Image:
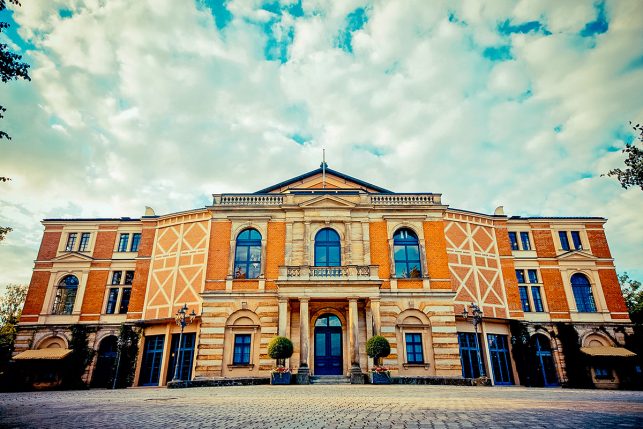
{"x":406,"y":252}
{"x":65,"y":295}
{"x":327,"y":248}
{"x":583,"y":294}
{"x":247,"y":256}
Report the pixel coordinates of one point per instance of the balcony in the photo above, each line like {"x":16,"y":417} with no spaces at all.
{"x":344,"y":273}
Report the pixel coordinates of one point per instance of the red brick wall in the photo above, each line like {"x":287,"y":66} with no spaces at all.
{"x":49,"y":244}
{"x":555,"y":292}
{"x":379,"y":248}
{"x":508,"y":269}
{"x":437,"y":260}
{"x":544,"y":242}
{"x":94,"y":292}
{"x":612,"y":291}
{"x":598,"y":243}
{"x":35,"y":295}
{"x":141,"y":272}
{"x":105,"y":241}
{"x":275,"y":252}
{"x":218,"y":254}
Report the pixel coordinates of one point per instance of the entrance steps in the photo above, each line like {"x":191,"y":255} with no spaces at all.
{"x":329,"y":379}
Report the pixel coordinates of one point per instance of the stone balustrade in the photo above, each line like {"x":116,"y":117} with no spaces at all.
{"x":405,"y":199}
{"x":344,"y":272}
{"x":249,"y":199}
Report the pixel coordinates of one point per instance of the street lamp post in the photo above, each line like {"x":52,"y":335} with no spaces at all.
{"x":182,"y":319}
{"x":476,"y":319}
{"x":121,"y":343}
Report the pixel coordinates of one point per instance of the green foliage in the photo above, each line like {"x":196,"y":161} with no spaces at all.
{"x":79,"y":359}
{"x":10,"y":309}
{"x":520,"y":349}
{"x":128,"y":337}
{"x":280,"y":348}
{"x":633,"y":294}
{"x":378,"y":347}
{"x":633,"y":174}
{"x":577,"y":363}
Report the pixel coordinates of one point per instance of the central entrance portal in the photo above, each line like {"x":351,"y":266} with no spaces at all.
{"x":328,"y":345}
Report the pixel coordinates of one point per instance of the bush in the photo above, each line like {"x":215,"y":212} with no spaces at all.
{"x":280,"y":348}
{"x":378,"y":347}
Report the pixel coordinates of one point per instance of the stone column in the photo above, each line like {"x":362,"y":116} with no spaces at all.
{"x":375,"y":311}
{"x":283,"y":316}
{"x":353,"y":335}
{"x":302,"y":373}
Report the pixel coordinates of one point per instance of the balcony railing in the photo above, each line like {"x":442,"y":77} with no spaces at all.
{"x":248,"y":199}
{"x":344,"y":272}
{"x":405,"y":199}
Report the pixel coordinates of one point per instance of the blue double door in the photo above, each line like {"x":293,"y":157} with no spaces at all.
{"x":328,"y":346}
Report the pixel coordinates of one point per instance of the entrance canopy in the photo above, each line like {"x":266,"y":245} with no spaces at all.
{"x":43,"y":354}
{"x":605,"y":351}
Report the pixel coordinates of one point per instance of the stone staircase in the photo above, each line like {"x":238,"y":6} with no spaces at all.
{"x":329,"y":379}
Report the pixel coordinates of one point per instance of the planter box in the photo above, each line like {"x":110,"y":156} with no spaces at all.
{"x":277,"y":378}
{"x":380,"y":378}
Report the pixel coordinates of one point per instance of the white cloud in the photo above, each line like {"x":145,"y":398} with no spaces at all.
{"x":147,"y":103}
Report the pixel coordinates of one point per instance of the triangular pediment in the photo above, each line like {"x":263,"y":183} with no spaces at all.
{"x":72,"y":257}
{"x":327,"y":201}
{"x":327,"y":179}
{"x":577,"y":255}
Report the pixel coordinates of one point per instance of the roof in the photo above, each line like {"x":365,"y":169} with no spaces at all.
{"x":93,"y":219}
{"x":319,"y":171}
{"x":558,"y":217}
{"x":606,"y":351}
{"x":43,"y":354}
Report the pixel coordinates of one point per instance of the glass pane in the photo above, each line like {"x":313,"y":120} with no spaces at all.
{"x":320,"y":257}
{"x":240,"y":272}
{"x":513,"y":240}
{"x":524,"y":238}
{"x":400,"y":254}
{"x":563,"y":240}
{"x":116,"y":277}
{"x":333,"y":256}
{"x":254,"y":234}
{"x":334,"y":321}
{"x":533,"y":277}
{"x":125,"y":300}
{"x":400,"y":270}
{"x":335,"y":344}
{"x":255,"y":270}
{"x":414,"y":270}
{"x":413,"y":253}
{"x":255,"y":253}
{"x":576,"y":240}
{"x":241,"y":253}
{"x":322,"y":321}
{"x":320,"y":344}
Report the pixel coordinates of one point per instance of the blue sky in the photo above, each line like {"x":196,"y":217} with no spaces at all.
{"x":162,"y":103}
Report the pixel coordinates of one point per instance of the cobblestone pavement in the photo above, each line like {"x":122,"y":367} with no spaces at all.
{"x":324,"y":406}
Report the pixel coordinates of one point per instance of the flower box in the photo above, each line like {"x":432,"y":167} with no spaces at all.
{"x":380,"y":377}
{"x":279,"y":378}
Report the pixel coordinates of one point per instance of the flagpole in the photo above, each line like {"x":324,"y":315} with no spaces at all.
{"x":324,"y":168}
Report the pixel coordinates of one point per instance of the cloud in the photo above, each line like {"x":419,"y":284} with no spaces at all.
{"x":148,"y":103}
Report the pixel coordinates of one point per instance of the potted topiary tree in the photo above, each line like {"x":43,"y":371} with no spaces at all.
{"x":378,"y":347}
{"x":280,"y":349}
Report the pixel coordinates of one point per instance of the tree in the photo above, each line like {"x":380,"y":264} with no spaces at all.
{"x":11,"y":68}
{"x":633,"y":294}
{"x":633,"y":174}
{"x":10,"y":309}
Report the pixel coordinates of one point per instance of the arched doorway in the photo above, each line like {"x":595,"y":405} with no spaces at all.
{"x":328,"y":345}
{"x":543,"y":366}
{"x":107,"y":352}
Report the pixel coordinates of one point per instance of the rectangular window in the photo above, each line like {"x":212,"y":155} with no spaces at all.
{"x":111,"y":301}
{"x":122,"y":243}
{"x":513,"y":239}
{"x":564,"y":242}
{"x":136,"y":239}
{"x":116,"y":277}
{"x":520,"y":275}
{"x":129,"y":277}
{"x":241,"y":349}
{"x":524,"y":298}
{"x":602,"y":372}
{"x":524,"y":239}
{"x":127,"y":291}
{"x":469,"y":355}
{"x":533,"y":276}
{"x":576,"y":240}
{"x":414,"y":352}
{"x":84,"y":242}
{"x":71,"y":241}
{"x":538,"y":299}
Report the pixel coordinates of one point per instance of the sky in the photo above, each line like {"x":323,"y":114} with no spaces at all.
{"x":161,"y":103}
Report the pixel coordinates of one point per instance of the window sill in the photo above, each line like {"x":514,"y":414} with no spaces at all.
{"x":416,"y":365}
{"x":239,"y":366}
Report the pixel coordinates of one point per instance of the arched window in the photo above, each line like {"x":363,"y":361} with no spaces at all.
{"x":247,"y":256}
{"x":406,"y":251}
{"x":327,"y":248}
{"x":65,"y":295}
{"x":583,"y":294}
